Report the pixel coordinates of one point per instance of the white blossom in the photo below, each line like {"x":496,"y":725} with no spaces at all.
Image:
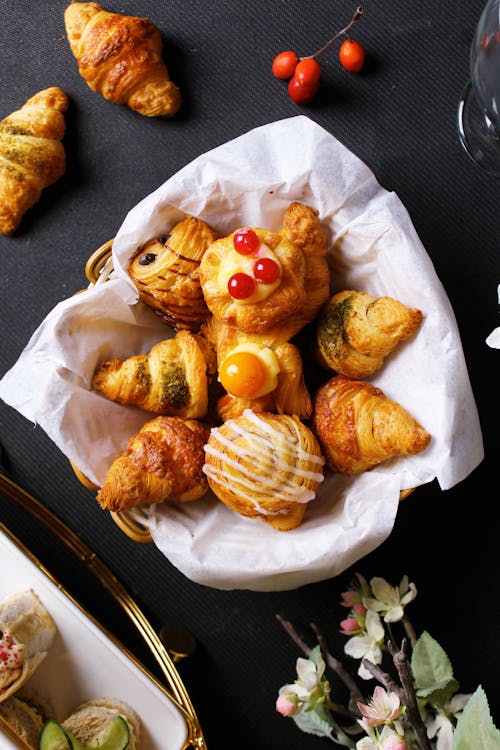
{"x":367,"y":645}
{"x":389,"y":600}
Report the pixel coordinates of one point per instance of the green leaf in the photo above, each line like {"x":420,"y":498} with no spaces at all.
{"x":430,"y":665}
{"x":475,"y":729}
{"x":438,"y":695}
{"x":317,"y":722}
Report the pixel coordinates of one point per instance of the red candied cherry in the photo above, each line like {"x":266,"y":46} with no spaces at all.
{"x":308,"y":71}
{"x":351,"y":55}
{"x":245,"y":241}
{"x":301,"y":93}
{"x":284,"y":64}
{"x":241,"y":285}
{"x":266,"y":270}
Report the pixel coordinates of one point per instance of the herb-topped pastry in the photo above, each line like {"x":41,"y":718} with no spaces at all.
{"x":356,"y":331}
{"x":172,"y":379}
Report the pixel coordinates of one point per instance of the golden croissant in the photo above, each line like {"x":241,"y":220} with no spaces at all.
{"x":266,"y":466}
{"x":172,"y":379}
{"x":358,"y":427}
{"x":356,"y":331}
{"x":165,"y":272}
{"x":120,"y":57}
{"x":32,"y":156}
{"x":164,"y":461}
{"x":280,"y":284}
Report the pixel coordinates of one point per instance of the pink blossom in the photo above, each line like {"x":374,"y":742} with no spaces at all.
{"x":359,"y":608}
{"x":383,"y":708}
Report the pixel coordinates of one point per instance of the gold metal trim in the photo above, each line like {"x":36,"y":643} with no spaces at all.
{"x":177,"y":691}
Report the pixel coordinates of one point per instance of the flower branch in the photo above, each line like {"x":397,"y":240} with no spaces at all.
{"x":415,"y":705}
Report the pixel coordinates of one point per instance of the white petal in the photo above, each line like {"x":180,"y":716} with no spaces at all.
{"x":395,"y":614}
{"x":357,"y":646}
{"x":382,"y":589}
{"x":374,"y":626}
{"x":410,"y":594}
{"x":364,"y":673}
{"x":374,"y":605}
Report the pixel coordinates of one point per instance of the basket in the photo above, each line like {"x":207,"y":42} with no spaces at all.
{"x":134,"y":522}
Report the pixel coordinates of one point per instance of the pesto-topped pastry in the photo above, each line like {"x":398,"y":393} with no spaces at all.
{"x":172,"y":379}
{"x":356,"y":331}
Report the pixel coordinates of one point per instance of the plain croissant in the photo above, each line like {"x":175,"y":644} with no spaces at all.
{"x":32,"y":156}
{"x":120,"y":57}
{"x":172,"y":379}
{"x":358,"y":427}
{"x":164,"y":461}
{"x":356,"y":331}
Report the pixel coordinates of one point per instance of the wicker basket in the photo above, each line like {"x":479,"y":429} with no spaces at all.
{"x":134,"y":523}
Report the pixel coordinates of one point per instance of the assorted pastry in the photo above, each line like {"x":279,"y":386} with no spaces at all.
{"x":27,"y":632}
{"x":121,"y":58}
{"x":32,"y":156}
{"x":239,"y":413}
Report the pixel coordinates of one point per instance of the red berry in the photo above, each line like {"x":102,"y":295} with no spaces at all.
{"x":308,"y":71}
{"x":266,"y":270}
{"x":241,"y":285}
{"x":284,"y":64}
{"x":301,"y":93}
{"x":245,"y":241}
{"x":351,"y":56}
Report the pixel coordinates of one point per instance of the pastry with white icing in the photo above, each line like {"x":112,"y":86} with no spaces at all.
{"x":265,"y":466}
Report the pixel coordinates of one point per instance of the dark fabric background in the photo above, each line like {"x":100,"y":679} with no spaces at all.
{"x":399,"y":116}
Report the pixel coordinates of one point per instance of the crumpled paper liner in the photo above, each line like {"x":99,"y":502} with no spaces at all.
{"x":374,"y":248}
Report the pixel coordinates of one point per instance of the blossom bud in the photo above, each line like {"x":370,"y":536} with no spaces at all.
{"x":287,"y":704}
{"x":395,"y":742}
{"x":359,"y":608}
{"x":349,"y":626}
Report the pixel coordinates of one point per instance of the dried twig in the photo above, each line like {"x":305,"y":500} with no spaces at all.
{"x":400,"y":659}
{"x":340,"y":671}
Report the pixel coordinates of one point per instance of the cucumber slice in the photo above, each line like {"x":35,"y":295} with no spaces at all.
{"x":54,"y":737}
{"x":114,"y":736}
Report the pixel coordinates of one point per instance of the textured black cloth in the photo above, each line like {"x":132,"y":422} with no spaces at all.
{"x":399,"y":117}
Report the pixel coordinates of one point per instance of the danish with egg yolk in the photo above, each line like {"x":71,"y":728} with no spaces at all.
{"x":249,"y":371}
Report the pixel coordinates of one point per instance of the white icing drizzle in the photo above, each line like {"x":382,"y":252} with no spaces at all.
{"x":262,"y":446}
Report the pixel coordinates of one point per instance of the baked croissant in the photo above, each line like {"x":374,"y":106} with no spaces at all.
{"x":32,"y":156}
{"x":165,"y":272}
{"x":264,"y":466}
{"x":358,"y":427}
{"x":164,"y":461}
{"x":356,"y":331}
{"x":120,"y":57}
{"x":287,"y":298}
{"x":172,"y":379}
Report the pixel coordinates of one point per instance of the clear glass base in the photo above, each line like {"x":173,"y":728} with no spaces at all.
{"x":477,"y":134}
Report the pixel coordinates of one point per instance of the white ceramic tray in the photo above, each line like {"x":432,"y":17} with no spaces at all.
{"x":84,"y":661}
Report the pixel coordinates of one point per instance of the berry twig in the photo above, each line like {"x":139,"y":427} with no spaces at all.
{"x":304,"y":72}
{"x":357,"y":15}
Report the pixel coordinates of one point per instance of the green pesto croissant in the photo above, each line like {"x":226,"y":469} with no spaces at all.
{"x":172,"y":379}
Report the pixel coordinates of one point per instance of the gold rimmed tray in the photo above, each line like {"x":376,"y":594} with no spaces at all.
{"x":164,"y":711}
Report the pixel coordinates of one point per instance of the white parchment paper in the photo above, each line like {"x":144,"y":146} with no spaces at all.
{"x":374,"y":248}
